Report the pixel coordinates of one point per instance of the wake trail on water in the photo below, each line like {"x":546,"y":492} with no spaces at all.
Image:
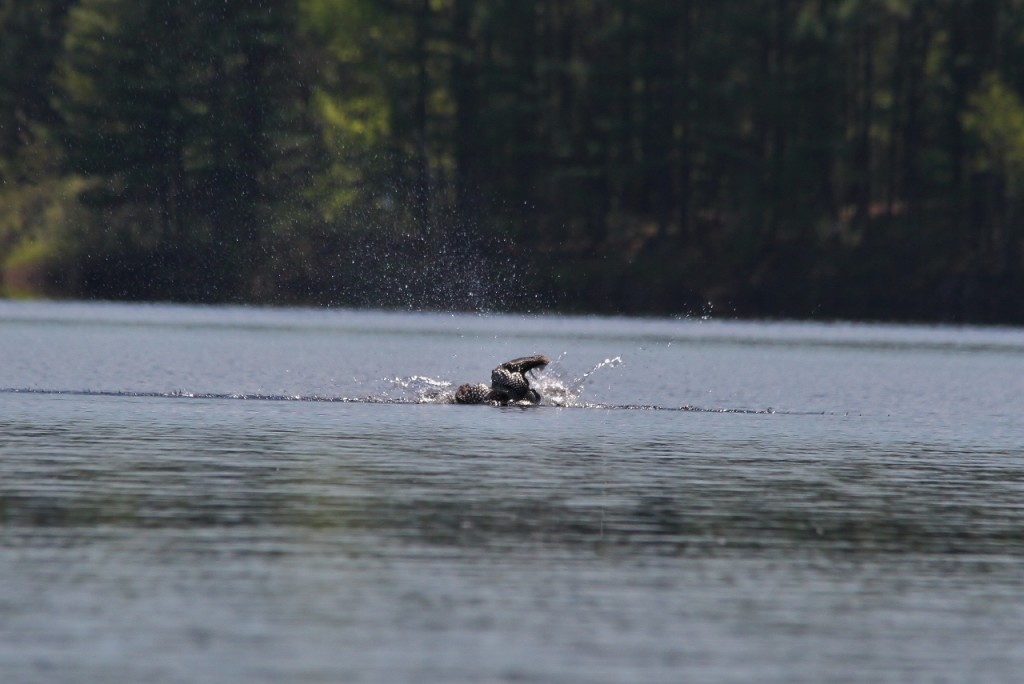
{"x":557,"y":392}
{"x":369,"y":399}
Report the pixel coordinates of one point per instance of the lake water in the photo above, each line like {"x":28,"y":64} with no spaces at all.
{"x":242,"y":495}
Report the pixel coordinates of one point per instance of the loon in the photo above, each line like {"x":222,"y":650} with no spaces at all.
{"x":509,"y":384}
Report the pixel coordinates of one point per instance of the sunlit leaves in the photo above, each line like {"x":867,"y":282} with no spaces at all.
{"x":996,"y":117}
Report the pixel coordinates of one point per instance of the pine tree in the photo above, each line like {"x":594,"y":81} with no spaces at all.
{"x":190,"y":111}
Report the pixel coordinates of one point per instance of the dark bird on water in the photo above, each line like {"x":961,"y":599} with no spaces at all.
{"x":509,"y":384}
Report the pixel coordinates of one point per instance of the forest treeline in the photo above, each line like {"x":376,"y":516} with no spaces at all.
{"x":798,"y":158}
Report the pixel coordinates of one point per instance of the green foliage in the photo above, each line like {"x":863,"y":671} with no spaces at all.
{"x":36,"y":225}
{"x":996,"y":117}
{"x":780,"y":157}
{"x":194,"y":114}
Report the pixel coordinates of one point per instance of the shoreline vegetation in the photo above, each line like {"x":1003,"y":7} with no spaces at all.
{"x":858,"y":159}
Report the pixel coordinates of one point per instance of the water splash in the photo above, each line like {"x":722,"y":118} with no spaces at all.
{"x":422,"y":389}
{"x":607,"y":363}
{"x":412,"y":248}
{"x":554,"y":389}
{"x":561,"y":392}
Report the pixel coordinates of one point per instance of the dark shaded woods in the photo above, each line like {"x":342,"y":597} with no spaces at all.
{"x":858,"y":159}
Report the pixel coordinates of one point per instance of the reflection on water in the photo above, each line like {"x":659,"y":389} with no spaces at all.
{"x":152,"y":536}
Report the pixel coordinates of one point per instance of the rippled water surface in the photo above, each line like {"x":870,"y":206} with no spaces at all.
{"x":252,"y":495}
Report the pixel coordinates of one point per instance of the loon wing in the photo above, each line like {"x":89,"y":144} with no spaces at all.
{"x":525,"y":363}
